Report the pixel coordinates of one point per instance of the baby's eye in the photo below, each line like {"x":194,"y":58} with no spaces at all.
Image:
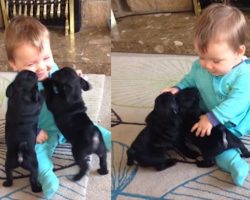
{"x":46,"y":58}
{"x":31,"y":65}
{"x":216,"y":61}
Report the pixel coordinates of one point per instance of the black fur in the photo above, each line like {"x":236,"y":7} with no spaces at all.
{"x":24,"y":104}
{"x":148,"y":149}
{"x":220,"y":139}
{"x":64,"y":100}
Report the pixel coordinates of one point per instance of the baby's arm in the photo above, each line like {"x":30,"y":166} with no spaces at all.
{"x":187,"y":81}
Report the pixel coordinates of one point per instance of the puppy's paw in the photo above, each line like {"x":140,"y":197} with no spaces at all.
{"x":191,"y":154}
{"x":167,"y":164}
{"x":102,"y":171}
{"x":130,"y":162}
{"x":245,"y":154}
{"x":36,"y":187}
{"x":77,"y":177}
{"x":204,"y":164}
{"x":7,"y":183}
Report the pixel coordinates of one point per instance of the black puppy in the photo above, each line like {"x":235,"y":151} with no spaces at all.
{"x":159,"y":135}
{"x":64,"y":100}
{"x":24,"y":104}
{"x":210,"y":146}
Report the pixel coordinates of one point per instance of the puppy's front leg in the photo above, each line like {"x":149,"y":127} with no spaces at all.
{"x":244,"y":151}
{"x":186,"y":151}
{"x":168,"y":163}
{"x":207,"y":162}
{"x":130,"y":157}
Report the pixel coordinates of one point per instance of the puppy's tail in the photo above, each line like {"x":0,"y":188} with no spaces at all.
{"x":22,"y":148}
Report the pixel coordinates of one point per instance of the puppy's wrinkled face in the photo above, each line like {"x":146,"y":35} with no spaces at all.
{"x":24,"y":86}
{"x":65,"y":75}
{"x":68,"y":84}
{"x":165,"y":104}
{"x":188,"y":100}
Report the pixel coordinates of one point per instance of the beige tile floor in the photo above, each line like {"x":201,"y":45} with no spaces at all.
{"x":164,"y":33}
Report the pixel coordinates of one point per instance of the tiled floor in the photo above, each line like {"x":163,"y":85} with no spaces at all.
{"x":166,"y":33}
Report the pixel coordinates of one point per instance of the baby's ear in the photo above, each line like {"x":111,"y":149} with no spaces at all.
{"x":85,"y":84}
{"x":9,"y":90}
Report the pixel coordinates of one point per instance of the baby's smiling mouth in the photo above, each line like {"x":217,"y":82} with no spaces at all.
{"x":42,"y":75}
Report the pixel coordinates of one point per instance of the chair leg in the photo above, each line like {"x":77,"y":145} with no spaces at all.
{"x":4,"y":14}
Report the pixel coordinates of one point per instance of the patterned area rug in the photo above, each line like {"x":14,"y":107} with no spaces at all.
{"x":62,"y":158}
{"x":136,"y":80}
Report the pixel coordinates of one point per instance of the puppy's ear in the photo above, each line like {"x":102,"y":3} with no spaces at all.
{"x":150,"y":117}
{"x":84,"y":84}
{"x":158,"y":107}
{"x":9,"y":90}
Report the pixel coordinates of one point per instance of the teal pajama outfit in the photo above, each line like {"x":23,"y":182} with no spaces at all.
{"x":46,"y":176}
{"x":228,"y":98}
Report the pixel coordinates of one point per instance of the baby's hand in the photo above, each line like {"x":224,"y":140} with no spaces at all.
{"x":173,"y":90}
{"x":203,"y":127}
{"x":41,"y":137}
{"x":79,"y":72}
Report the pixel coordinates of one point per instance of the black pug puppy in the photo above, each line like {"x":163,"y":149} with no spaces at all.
{"x":24,"y":104}
{"x":220,"y":139}
{"x":159,"y":135}
{"x":63,"y":97}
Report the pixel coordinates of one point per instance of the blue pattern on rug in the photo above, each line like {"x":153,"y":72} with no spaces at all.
{"x":121,"y":174}
{"x":198,"y":187}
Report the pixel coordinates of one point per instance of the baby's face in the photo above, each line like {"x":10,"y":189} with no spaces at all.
{"x":31,"y":58}
{"x":220,"y":58}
